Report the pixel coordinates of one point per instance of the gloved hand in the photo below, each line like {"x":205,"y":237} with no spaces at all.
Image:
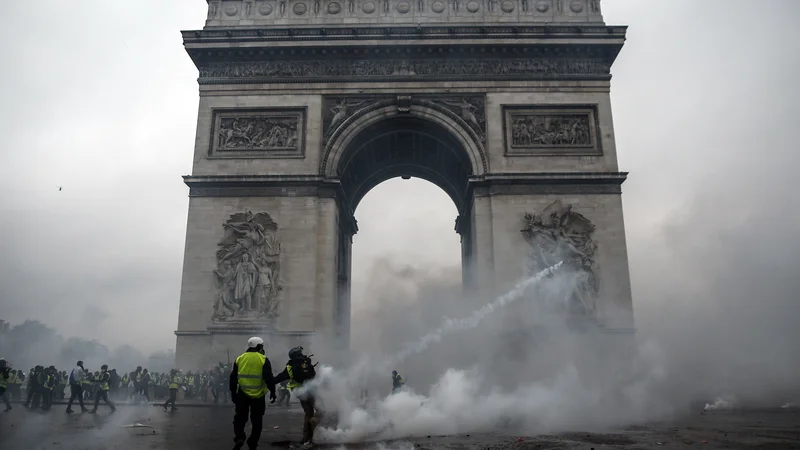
{"x":272,"y":397}
{"x":234,"y":397}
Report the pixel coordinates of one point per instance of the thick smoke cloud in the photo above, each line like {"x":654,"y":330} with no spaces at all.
{"x":711,"y":215}
{"x":716,"y":312}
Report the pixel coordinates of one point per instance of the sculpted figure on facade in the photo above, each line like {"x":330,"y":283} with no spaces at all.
{"x":559,"y":234}
{"x":248,"y":266}
{"x":340,"y":111}
{"x":257,"y":133}
{"x":541,"y":130}
{"x":471,"y":111}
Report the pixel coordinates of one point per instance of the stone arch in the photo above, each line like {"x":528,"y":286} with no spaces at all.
{"x":470,"y":140}
{"x":385,"y":141}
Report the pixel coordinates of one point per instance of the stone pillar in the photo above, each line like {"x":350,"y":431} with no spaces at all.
{"x":302,"y":263}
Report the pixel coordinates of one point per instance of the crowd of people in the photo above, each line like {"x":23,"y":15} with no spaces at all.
{"x":246,"y":383}
{"x":41,"y":386}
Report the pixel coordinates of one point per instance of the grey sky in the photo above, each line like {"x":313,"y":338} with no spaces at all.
{"x":100,"y":98}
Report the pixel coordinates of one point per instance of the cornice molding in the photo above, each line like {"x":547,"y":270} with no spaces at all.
{"x":597,"y":35}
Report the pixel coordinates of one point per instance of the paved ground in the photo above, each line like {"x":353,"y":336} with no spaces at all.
{"x":200,"y":428}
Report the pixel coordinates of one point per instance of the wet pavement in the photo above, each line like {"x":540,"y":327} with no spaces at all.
{"x":206,"y":427}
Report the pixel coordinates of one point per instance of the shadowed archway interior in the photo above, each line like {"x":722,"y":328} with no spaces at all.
{"x":407,"y":147}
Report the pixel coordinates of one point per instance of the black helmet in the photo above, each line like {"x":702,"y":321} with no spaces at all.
{"x":104,"y":367}
{"x":394,"y":372}
{"x":296,"y":352}
{"x":79,"y":364}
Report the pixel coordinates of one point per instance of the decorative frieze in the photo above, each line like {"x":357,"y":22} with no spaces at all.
{"x":550,"y":130}
{"x":330,"y":12}
{"x":332,"y":69}
{"x":264,"y":133}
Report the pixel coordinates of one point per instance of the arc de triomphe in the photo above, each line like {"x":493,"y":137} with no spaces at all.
{"x":306,"y":105}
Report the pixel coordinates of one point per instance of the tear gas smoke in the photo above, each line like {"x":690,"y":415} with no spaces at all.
{"x":473,"y":320}
{"x":367,"y":367}
{"x":716,"y":355}
{"x":460,"y":401}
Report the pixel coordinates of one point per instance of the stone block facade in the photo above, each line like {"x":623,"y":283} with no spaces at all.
{"x":296,"y":123}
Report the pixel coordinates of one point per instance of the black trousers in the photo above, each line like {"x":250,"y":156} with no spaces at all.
{"x":101,"y":394}
{"x":76,"y":392}
{"x":222,"y":391}
{"x":173,"y":396}
{"x":47,"y":398}
{"x":254,"y":408}
{"x":5,"y":394}
{"x":34,"y":397}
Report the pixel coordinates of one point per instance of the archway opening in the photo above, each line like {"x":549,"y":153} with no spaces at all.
{"x":404,"y":146}
{"x":405,"y":260}
{"x":407,"y":248}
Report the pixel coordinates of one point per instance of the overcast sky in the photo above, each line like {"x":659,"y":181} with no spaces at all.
{"x":100,"y":98}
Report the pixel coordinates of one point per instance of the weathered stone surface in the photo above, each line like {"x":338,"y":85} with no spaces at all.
{"x":244,"y":13}
{"x":507,"y":116}
{"x":267,"y":133}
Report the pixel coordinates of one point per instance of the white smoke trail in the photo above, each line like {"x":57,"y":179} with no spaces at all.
{"x":327,"y":376}
{"x":408,"y":414}
{"x":449,"y":326}
{"x":452,"y":325}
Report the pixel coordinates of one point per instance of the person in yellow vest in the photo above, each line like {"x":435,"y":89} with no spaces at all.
{"x":190,"y":385}
{"x":5,"y":379}
{"x":15,"y":390}
{"x":123,"y":387}
{"x":49,"y":385}
{"x":103,"y":386}
{"x":250,"y":380}
{"x":300,"y":371}
{"x":174,"y":384}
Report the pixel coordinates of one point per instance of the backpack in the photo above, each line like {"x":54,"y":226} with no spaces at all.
{"x":302,"y":369}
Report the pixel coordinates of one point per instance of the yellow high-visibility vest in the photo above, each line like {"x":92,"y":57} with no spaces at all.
{"x":176,"y":381}
{"x":250,"y":374}
{"x":104,"y":381}
{"x":293,"y":384}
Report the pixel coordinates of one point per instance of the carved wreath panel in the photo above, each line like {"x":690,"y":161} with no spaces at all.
{"x":247,"y":276}
{"x":263,"y":133}
{"x":559,"y":234}
{"x":548,"y":130}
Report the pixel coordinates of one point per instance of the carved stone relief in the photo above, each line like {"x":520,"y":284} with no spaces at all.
{"x":440,"y":11}
{"x":559,"y":234}
{"x":258,"y":133}
{"x":469,"y":110}
{"x":545,"y":130}
{"x":247,"y":276}
{"x":417,"y":69}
